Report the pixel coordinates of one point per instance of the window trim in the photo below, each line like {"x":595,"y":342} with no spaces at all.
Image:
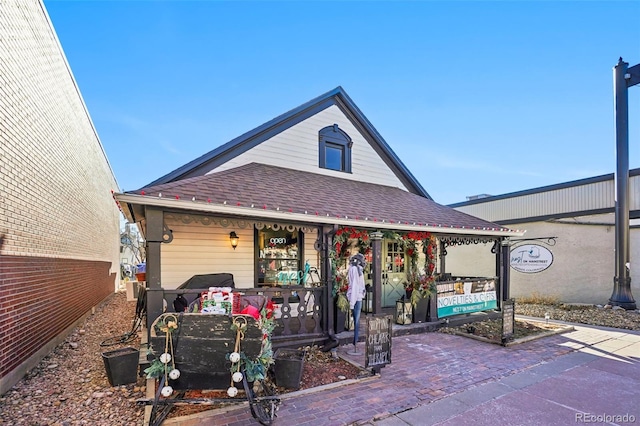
{"x":333,"y":135}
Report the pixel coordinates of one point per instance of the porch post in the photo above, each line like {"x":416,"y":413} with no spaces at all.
{"x":376,"y":270}
{"x":506,"y":268}
{"x":497,"y":247}
{"x":443,"y":255}
{"x":327,"y":242}
{"x":154,"y":239}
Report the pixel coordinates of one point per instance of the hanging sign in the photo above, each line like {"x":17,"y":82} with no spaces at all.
{"x":530,"y":258}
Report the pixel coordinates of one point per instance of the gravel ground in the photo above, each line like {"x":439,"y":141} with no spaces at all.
{"x":583,"y":314}
{"x":70,"y":385}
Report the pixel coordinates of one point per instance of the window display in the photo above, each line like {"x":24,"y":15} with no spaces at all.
{"x":278,"y":257}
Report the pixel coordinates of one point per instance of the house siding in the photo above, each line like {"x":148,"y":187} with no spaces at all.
{"x":58,"y":218}
{"x":201,"y":245}
{"x":297,"y":148}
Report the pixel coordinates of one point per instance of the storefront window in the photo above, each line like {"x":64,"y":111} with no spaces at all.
{"x":279,"y":256}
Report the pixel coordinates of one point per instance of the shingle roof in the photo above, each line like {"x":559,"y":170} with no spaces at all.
{"x":275,"y":188}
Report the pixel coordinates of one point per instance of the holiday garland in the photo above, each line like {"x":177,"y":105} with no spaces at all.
{"x":339,"y":253}
{"x":423,"y":282}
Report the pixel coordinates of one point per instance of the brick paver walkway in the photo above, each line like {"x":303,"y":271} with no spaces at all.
{"x":425,"y":367}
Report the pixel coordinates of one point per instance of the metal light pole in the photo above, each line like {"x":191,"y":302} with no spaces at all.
{"x":623,"y":78}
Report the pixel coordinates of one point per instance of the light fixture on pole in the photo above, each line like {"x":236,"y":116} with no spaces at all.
{"x":233,"y":237}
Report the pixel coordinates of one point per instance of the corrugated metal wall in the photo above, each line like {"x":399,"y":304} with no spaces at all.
{"x":565,"y":200}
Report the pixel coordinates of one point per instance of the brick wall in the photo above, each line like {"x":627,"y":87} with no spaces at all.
{"x":41,"y":297}
{"x":59,"y":225}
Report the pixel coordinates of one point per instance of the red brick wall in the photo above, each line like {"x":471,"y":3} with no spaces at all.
{"x":40,"y":297}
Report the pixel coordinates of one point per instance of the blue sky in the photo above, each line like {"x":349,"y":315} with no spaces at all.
{"x":474,"y":97}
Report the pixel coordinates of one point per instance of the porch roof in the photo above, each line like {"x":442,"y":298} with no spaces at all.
{"x":265,"y":191}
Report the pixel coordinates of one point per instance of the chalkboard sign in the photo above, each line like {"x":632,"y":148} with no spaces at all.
{"x":378,"y":343}
{"x":508,"y":319}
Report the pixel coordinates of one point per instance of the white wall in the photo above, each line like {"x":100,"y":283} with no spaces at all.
{"x":297,"y":148}
{"x":582,"y":269}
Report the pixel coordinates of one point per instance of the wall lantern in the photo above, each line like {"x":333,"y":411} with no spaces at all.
{"x":234,"y":239}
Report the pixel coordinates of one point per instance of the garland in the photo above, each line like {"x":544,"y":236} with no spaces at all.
{"x":339,"y":252}
{"x":422,"y":283}
{"x":256,"y":369}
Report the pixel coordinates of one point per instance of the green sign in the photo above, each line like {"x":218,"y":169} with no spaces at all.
{"x":467,"y":297}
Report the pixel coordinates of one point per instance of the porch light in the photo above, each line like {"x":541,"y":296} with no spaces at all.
{"x":234,"y":239}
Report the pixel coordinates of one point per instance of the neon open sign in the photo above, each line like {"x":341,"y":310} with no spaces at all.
{"x":274,"y":241}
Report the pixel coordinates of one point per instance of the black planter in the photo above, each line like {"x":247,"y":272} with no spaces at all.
{"x":288,"y":367}
{"x":420,"y":310}
{"x":340,"y":320}
{"x":121,"y":366}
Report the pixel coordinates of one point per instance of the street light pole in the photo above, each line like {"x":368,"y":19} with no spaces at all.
{"x":623,"y":78}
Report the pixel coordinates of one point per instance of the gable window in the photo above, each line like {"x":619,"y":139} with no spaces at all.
{"x":335,"y":149}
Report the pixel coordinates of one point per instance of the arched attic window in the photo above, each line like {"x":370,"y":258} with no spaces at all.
{"x":335,"y":149}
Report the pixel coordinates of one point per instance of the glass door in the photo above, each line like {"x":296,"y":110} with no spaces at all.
{"x":394,"y":274}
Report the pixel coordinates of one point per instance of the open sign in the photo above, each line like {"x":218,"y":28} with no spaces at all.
{"x":277,"y":240}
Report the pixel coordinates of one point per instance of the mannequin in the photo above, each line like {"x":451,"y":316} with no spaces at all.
{"x":356,"y":293}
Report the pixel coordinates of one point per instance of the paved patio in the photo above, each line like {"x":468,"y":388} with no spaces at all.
{"x":436,"y":378}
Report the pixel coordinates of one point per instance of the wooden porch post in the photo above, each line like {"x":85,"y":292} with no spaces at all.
{"x":327,"y":242}
{"x":155,"y":224}
{"x":506,"y":269}
{"x":376,"y":269}
{"x":498,"y":251}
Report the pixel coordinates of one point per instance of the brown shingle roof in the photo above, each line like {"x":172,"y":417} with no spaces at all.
{"x":261,"y":186}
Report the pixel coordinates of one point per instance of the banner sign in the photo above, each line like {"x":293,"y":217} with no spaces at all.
{"x":466,"y":297}
{"x":530,"y":258}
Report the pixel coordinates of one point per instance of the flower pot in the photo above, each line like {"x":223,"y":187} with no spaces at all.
{"x":420,"y":310}
{"x":288,"y":365}
{"x":340,"y":320}
{"x":121,"y":366}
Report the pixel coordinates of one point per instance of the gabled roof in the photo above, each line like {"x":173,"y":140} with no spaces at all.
{"x":243,"y":143}
{"x":301,"y":196}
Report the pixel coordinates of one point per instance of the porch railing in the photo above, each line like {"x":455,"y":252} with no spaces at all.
{"x":300,"y":312}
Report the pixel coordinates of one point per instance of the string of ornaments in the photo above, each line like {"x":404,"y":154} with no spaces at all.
{"x":167,"y":358}
{"x":240,"y":324}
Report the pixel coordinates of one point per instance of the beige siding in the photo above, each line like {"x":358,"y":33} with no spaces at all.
{"x":310,"y":253}
{"x":199,"y":248}
{"x":297,"y":148}
{"x":55,"y":180}
{"x":582,"y":269}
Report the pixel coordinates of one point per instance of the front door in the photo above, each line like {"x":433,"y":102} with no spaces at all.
{"x":394,"y":273}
